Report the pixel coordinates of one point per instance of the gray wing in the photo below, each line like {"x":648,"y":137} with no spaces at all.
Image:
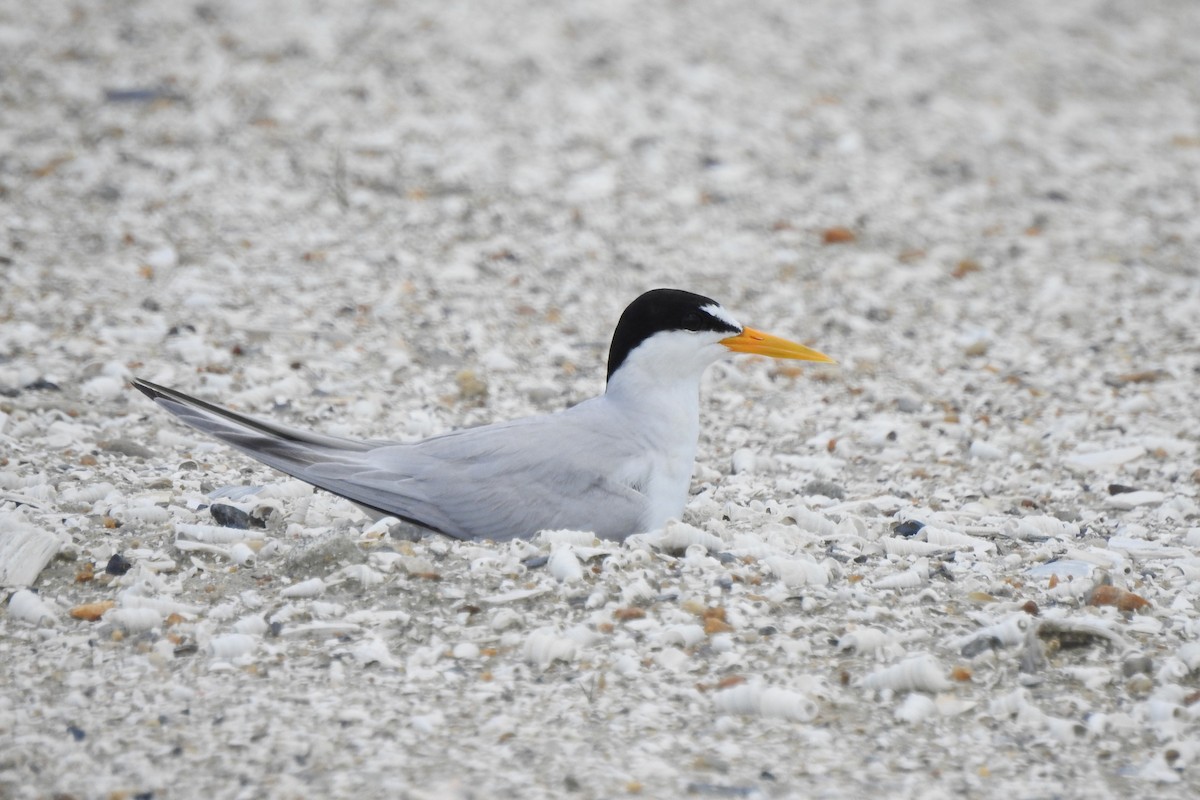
{"x":501,"y":481}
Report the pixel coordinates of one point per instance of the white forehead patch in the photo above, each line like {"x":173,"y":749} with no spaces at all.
{"x":716,"y":311}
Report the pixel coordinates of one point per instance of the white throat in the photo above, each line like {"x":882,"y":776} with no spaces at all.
{"x":656,"y":392}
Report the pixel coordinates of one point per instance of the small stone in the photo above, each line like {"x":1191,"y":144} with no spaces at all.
{"x":118,"y":565}
{"x":629,"y":613}
{"x":1137,"y":665}
{"x":909,"y":527}
{"x":824,"y":488}
{"x":91,"y":611}
{"x":127,"y":447}
{"x":228,"y":516}
{"x":837,"y":235}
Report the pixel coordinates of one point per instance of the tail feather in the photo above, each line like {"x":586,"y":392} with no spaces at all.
{"x":333,"y":463}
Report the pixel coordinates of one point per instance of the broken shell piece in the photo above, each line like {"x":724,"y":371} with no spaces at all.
{"x":676,"y":537}
{"x":1108,"y":595}
{"x":753,"y":699}
{"x":1079,"y":633}
{"x":797,"y":572}
{"x":91,"y":612}
{"x":920,"y":673}
{"x":29,"y":606}
{"x":309,"y":588}
{"x":566,"y":537}
{"x":914,"y":708}
{"x":564,"y":566}
{"x":241,"y":554}
{"x":232,"y":645}
{"x":545,"y":646}
{"x":135,"y":620}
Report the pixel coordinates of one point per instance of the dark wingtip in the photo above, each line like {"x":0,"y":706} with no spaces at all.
{"x":147,"y":388}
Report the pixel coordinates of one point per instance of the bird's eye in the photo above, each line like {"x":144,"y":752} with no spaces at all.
{"x":693,"y":321}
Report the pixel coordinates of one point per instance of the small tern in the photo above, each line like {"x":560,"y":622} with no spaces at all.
{"x":616,"y":464}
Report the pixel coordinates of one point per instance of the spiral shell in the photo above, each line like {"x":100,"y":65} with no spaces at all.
{"x":920,"y":673}
{"x":232,"y":645}
{"x":545,"y":646}
{"x":753,"y":699}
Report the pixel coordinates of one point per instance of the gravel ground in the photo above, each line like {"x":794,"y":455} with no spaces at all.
{"x":965,"y":562}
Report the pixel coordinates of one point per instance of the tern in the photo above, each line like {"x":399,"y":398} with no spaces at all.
{"x":617,"y":464}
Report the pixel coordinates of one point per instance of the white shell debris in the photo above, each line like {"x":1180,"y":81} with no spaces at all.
{"x":755,"y":699}
{"x":232,"y":645}
{"x":545,"y":646}
{"x":676,"y":537}
{"x":135,"y":620}
{"x":920,"y":673}
{"x":564,"y":566}
{"x":1104,"y":459}
{"x":28,"y":606}
{"x":313,"y":587}
{"x":24,"y":550}
{"x":566,"y":537}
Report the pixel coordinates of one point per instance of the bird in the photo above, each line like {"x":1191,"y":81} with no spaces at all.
{"x":616,"y":464}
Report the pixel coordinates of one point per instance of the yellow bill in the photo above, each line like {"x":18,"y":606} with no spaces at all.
{"x":764,"y":344}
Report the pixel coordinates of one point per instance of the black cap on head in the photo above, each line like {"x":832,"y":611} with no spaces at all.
{"x":662,"y":310}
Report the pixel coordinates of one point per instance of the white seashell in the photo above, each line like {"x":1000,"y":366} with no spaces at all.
{"x":920,"y":673}
{"x":813,"y":522}
{"x":683,"y":635}
{"x":744,"y":460}
{"x":566,"y":537}
{"x":909,"y":579}
{"x":797,"y":572}
{"x":985,"y":451}
{"x":24,"y":550}
{"x":1041,"y":527}
{"x":28,"y":606}
{"x":251,"y":625}
{"x":679,"y":536}
{"x":1130,"y":500}
{"x":232,"y":645}
{"x":151,"y":514}
{"x":545,"y":646}
{"x":950,"y":706}
{"x":514,"y":596}
{"x":1011,"y":631}
{"x":77,"y":496}
{"x":952,"y":539}
{"x":899,"y":546}
{"x":1189,"y":654}
{"x":215,"y":534}
{"x":362,"y":575}
{"x":135,"y":620}
{"x":504,"y":619}
{"x":563,"y":565}
{"x":671,"y":659}
{"x":242,"y":555}
{"x":325,"y":610}
{"x":753,"y":699}
{"x":466,"y":650}
{"x":637,"y":591}
{"x":865,"y":640}
{"x":164,"y":606}
{"x":1009,"y":705}
{"x":309,"y":588}
{"x":416,"y":565}
{"x":1145,"y":548}
{"x":372,"y":651}
{"x":626,"y":665}
{"x":915,"y":708}
{"x":1104,"y":459}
